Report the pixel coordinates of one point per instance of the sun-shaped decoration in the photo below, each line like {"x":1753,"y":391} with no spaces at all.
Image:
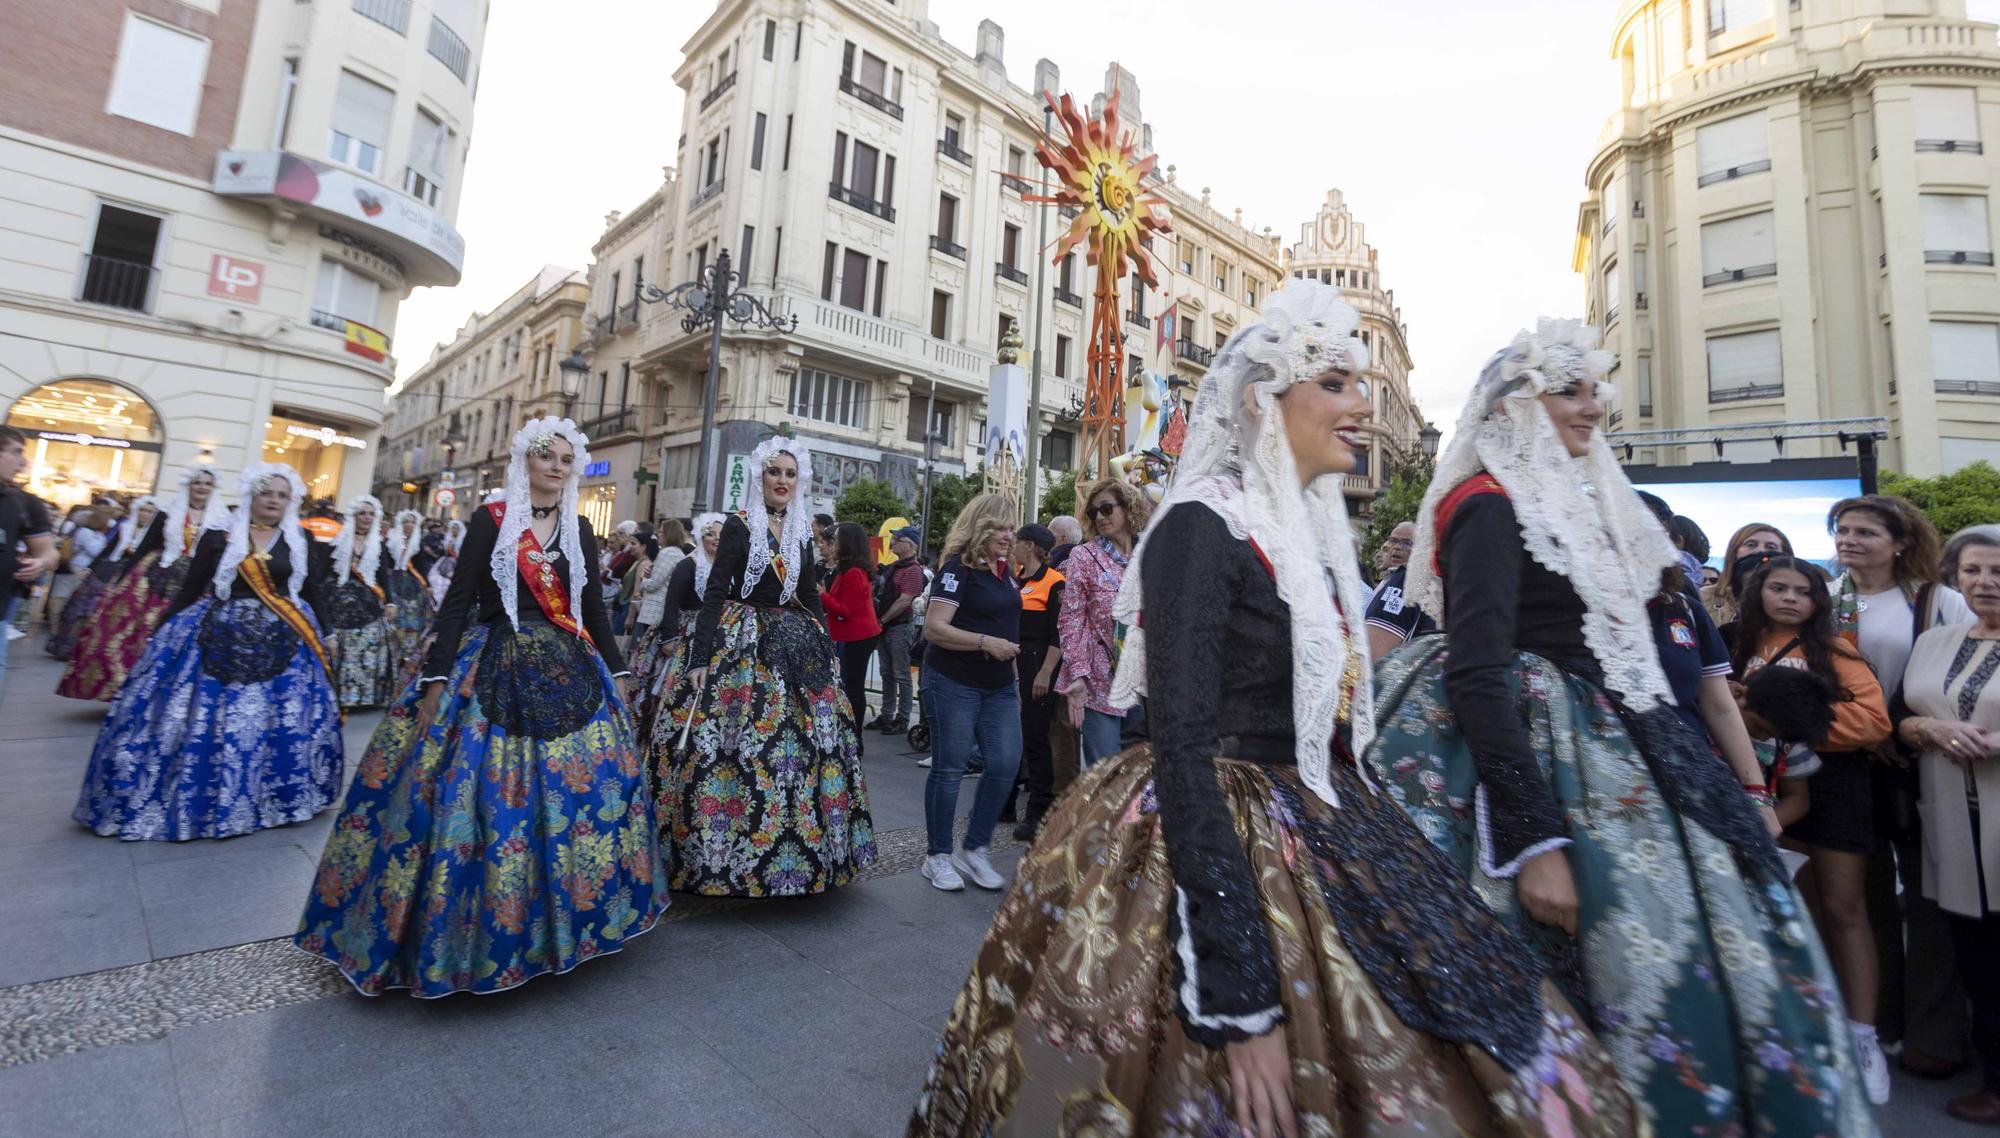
{"x":1096,"y":175}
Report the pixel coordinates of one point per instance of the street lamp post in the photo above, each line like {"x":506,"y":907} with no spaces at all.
{"x":1030,"y":504}
{"x":574,"y":369}
{"x":706,"y":302}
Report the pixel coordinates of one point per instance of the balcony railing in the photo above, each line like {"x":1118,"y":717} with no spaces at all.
{"x":1138,"y":319}
{"x":391,"y":14}
{"x":1967,"y":387}
{"x":615,"y":423}
{"x":629,"y":314}
{"x":1065,"y":296}
{"x":603,"y":326}
{"x":721,"y":87}
{"x":1194,"y":353}
{"x":1017,"y":183}
{"x":1748,"y":168}
{"x":117,"y":283}
{"x":1068,"y":212}
{"x":1639,"y":302}
{"x":1742,"y":394}
{"x":1729,"y":276}
{"x":947,"y":247}
{"x":1611,"y":314}
{"x":1645,"y":410}
{"x":872,"y":97}
{"x":448,"y":49}
{"x":1949,"y":146}
{"x":1018,"y":276}
{"x":1956,"y":257}
{"x":860,"y":201}
{"x":705,"y":194}
{"x":946,"y":148}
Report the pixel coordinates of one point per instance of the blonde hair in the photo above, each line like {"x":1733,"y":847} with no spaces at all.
{"x":975,"y":525}
{"x":1137,"y":507}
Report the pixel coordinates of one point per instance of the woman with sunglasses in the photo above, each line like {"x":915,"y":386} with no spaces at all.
{"x":1115,"y":511}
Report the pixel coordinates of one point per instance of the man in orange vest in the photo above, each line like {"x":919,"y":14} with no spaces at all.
{"x":1041,"y":654}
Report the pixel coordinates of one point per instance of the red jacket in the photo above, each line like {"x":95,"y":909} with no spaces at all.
{"x":850,"y":607}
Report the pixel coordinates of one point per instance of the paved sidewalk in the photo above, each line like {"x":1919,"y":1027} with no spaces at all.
{"x":147,"y":989}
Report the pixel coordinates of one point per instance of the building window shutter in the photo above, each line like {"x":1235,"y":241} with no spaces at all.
{"x":1611,"y":292}
{"x":1954,"y":224}
{"x":1966,"y":357}
{"x":1945,"y":114}
{"x":1737,"y":248}
{"x":159,"y":75}
{"x":1745,"y":366}
{"x":1732,"y":147}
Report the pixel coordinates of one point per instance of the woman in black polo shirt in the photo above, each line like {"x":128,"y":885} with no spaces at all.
{"x":973,"y":626}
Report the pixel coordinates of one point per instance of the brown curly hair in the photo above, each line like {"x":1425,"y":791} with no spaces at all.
{"x":1137,"y":507}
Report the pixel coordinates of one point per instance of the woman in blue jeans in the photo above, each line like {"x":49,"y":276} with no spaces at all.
{"x":973,"y":627}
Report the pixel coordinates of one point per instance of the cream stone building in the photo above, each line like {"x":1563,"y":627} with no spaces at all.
{"x":622,"y":406}
{"x":1791,"y":217}
{"x":1333,"y":249}
{"x":210,"y":211}
{"x":867,"y":177}
{"x":451,"y":423}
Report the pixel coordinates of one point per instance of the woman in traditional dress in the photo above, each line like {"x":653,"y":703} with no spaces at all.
{"x":662,"y":658}
{"x":500,"y":826}
{"x":93,"y":561}
{"x":760,"y":773}
{"x":1230,"y":924}
{"x":358,"y":610}
{"x":109,"y":572}
{"x":409,"y":591}
{"x":228,"y":722}
{"x":1537,"y":744}
{"x":146,"y":585}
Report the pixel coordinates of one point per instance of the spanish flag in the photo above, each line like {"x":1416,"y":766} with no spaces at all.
{"x":367,"y":342}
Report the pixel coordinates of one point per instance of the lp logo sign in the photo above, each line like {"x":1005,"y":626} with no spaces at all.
{"x":236,"y":280}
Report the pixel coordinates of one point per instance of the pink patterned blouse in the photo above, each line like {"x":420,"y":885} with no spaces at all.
{"x":1090,"y":639}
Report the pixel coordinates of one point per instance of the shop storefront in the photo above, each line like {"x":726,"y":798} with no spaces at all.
{"x":87,"y":437}
{"x":318,"y":450}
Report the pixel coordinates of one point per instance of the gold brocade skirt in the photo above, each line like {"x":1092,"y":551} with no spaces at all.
{"x":1068,"y":1025}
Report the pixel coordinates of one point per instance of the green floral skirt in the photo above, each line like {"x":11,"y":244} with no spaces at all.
{"x":1702,"y":975}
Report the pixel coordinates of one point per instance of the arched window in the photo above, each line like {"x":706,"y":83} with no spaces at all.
{"x":88,"y":437}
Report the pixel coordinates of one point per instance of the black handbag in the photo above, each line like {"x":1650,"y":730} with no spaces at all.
{"x":1895,"y":769}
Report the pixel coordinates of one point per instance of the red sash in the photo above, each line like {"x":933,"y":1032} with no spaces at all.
{"x":1481,"y":483}
{"x":538,"y":570}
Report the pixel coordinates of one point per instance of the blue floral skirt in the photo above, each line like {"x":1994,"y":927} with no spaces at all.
{"x":1702,"y":974}
{"x":766,"y":798}
{"x":225,"y":726}
{"x":515,"y":838}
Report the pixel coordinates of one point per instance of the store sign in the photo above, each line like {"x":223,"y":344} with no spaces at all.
{"x":234,"y":279}
{"x":597,"y":469}
{"x":736,"y":484}
{"x":326,"y":436}
{"x":398,"y":219}
{"x":83,"y":440}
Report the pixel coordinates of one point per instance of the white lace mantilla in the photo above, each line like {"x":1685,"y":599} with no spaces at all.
{"x":519,"y":513}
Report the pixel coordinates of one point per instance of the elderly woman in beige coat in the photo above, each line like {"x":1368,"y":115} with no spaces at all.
{"x":1953,"y":716}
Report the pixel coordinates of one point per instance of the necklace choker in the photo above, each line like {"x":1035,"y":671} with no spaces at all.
{"x":542,"y":511}
{"x":777,"y":513}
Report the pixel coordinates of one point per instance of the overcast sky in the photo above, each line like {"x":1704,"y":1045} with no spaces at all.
{"x":1459,"y":131}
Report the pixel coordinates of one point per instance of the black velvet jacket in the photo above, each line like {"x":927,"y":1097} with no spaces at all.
{"x":200,"y":580}
{"x":1500,"y":601}
{"x":353,"y":603}
{"x":1218,"y":664}
{"x":725,"y":583}
{"x":474,"y":596}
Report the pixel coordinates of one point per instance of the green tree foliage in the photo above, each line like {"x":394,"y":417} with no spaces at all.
{"x":868,"y":502}
{"x":949,"y":494}
{"x":1059,"y":498}
{"x":1401,"y":504}
{"x":1968,"y":496}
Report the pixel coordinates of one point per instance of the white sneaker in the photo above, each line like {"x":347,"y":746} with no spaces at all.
{"x":976,"y":865}
{"x":937,"y":867}
{"x":1874,"y":1065}
{"x":15,"y":633}
{"x":925,"y":761}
